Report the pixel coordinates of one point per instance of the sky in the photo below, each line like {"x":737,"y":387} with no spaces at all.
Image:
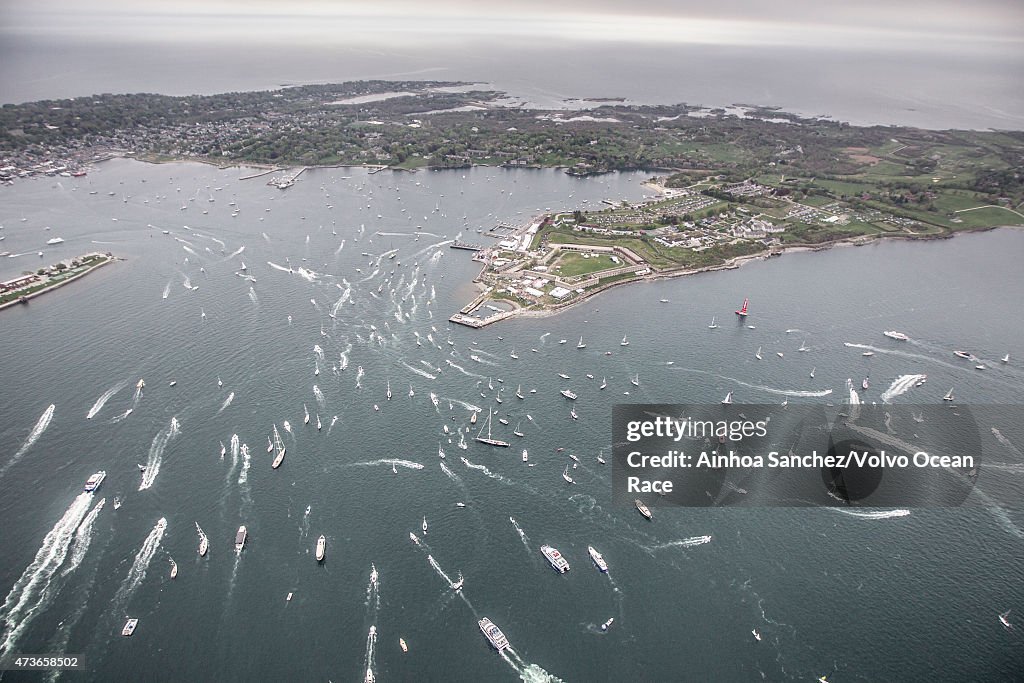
{"x":936,"y":25}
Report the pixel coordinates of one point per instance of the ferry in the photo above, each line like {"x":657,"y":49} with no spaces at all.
{"x":240,"y":538}
{"x":597,"y":558}
{"x":129,"y":627}
{"x":569,"y":394}
{"x":94,"y":481}
{"x":642,"y":508}
{"x":494,"y":635}
{"x":321,"y":548}
{"x":558,"y":563}
{"x":898,"y":336}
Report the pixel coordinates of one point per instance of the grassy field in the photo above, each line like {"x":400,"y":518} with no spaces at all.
{"x":571,"y":264}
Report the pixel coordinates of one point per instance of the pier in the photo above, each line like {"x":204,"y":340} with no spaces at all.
{"x":459,"y":244}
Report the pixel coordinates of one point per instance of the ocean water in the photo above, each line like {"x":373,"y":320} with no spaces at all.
{"x":855,"y":595}
{"x":940,"y":89}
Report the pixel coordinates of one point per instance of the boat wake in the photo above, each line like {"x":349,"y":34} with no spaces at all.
{"x":227,"y":402}
{"x":681,"y":543}
{"x":421,"y":373}
{"x":83,"y":536}
{"x":451,"y":475}
{"x":810,"y":393}
{"x":243,"y":475}
{"x":522,"y":536}
{"x":104,"y":397}
{"x":142,"y":559}
{"x":252,"y":295}
{"x":319,"y":395}
{"x":31,"y":592}
{"x":277,"y":267}
{"x":37,"y":431}
{"x":156,"y":453}
{"x":167,"y":289}
{"x":871,"y":514}
{"x":493,"y":475}
{"x":900,"y":386}
{"x":529,"y":673}
{"x":1007,"y":443}
{"x":467,"y":406}
{"x":388,"y":461}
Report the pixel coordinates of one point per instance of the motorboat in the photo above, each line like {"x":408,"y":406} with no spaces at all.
{"x":321,"y":548}
{"x":240,"y":537}
{"x":597,"y":558}
{"x":642,"y":508}
{"x":494,"y":635}
{"x":555,"y":559}
{"x":898,"y":336}
{"x":129,"y":627}
{"x":93,"y":482}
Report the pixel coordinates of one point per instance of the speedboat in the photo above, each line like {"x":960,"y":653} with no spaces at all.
{"x":321,"y":548}
{"x":963,"y":354}
{"x":757,"y":636}
{"x":898,"y":336}
{"x":597,"y":558}
{"x":129,"y":627}
{"x":558,"y":563}
{"x":174,"y":569}
{"x":94,"y":481}
{"x":240,"y":538}
{"x":605,"y":625}
{"x":642,"y":508}
{"x":493,"y":634}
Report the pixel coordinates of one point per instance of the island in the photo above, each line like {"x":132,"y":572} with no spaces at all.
{"x":21,"y":289}
{"x":727,"y":184}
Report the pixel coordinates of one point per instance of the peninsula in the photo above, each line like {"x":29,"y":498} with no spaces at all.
{"x":20,"y":290}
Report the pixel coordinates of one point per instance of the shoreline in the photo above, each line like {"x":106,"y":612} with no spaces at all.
{"x":57,"y":285}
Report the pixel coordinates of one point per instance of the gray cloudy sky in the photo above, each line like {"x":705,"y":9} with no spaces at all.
{"x":937,"y":25}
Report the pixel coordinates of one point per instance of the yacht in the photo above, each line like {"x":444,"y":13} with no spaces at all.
{"x":868,"y":353}
{"x":597,"y":558}
{"x":604,"y":383}
{"x":898,"y":336}
{"x":493,"y":634}
{"x":569,"y":394}
{"x":558,"y":563}
{"x":728,"y":399}
{"x":605,"y":625}
{"x":240,"y":538}
{"x":624,"y":342}
{"x":948,"y":396}
{"x":305,"y":416}
{"x":321,"y":548}
{"x":636,"y":380}
{"x":129,"y":627}
{"x":565,"y":474}
{"x":1006,"y":358}
{"x":280,"y":447}
{"x":758,"y":354}
{"x":642,"y":508}
{"x":713,"y":325}
{"x":563,"y":375}
{"x":94,"y":481}
{"x":526,"y":456}
{"x":963,"y":354}
{"x":204,"y":543}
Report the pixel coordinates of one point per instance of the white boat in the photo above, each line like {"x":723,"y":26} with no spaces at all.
{"x":204,"y":542}
{"x":519,"y":392}
{"x":812,"y":372}
{"x":624,"y":342}
{"x":321,"y":548}
{"x":172,"y":383}
{"x":713,"y":325}
{"x":513,"y":355}
{"x":1004,"y":619}
{"x":1006,"y":358}
{"x":305,"y":414}
{"x":440,"y":452}
{"x":803,"y":345}
{"x":757,"y":636}
{"x":758,"y":354}
{"x":526,"y":456}
{"x":563,"y":375}
{"x":580,"y":344}
{"x":240,"y":538}
{"x":174,"y":569}
{"x":868,"y":353}
{"x":411,"y":392}
{"x":728,"y":399}
{"x":517,"y":431}
{"x":318,"y":425}
{"x":555,"y":559}
{"x":636,"y":380}
{"x":572,"y":414}
{"x":948,"y":396}
{"x":864,"y":384}
{"x":569,"y":394}
{"x":389,"y":390}
{"x":642,"y":508}
{"x":779,"y":354}
{"x":279,"y":447}
{"x":563,"y":341}
{"x":93,"y":482}
{"x":494,"y":635}
{"x":565,"y":474}
{"x":401,"y":643}
{"x":270,"y":446}
{"x":457,"y":586}
{"x":604,"y":383}
{"x":597,"y":558}
{"x":607,"y":624}
{"x":898,"y":336}
{"x":424,"y":525}
{"x":129,"y":627}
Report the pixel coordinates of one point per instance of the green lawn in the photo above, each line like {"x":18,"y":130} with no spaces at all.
{"x":571,"y":264}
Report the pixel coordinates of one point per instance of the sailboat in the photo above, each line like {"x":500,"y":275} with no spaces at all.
{"x":318,"y":425}
{"x":803,"y":345}
{"x":411,"y":392}
{"x":1006,"y":358}
{"x":728,"y":399}
{"x":565,"y":474}
{"x":948,"y":396}
{"x":513,"y":355}
{"x":758,"y":354}
{"x":713,"y":325}
{"x":624,"y":342}
{"x":316,"y":368}
{"x":488,"y":440}
{"x":636,"y":380}
{"x":305,"y":417}
{"x":812,"y":373}
{"x":519,"y":392}
{"x":270,"y":446}
{"x":472,"y":419}
{"x":604,"y":383}
{"x":389,"y":390}
{"x":518,"y":431}
{"x":580,"y":344}
{"x":743,"y":311}
{"x":279,"y":447}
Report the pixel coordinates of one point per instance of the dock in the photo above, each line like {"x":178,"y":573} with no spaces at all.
{"x":459,"y":244}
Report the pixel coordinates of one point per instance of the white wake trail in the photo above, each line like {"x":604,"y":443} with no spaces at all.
{"x":900,"y":386}
{"x":421,"y":373}
{"x":252,"y":295}
{"x":409,"y":464}
{"x":319,"y":396}
{"x":156,"y":454}
{"x":26,"y":596}
{"x":871,"y":514}
{"x":82,"y":538}
{"x":104,"y":397}
{"x":227,"y":402}
{"x":37,"y":431}
{"x":142,"y":559}
{"x":682,"y":543}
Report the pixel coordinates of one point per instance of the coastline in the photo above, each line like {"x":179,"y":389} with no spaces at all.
{"x":58,"y":285}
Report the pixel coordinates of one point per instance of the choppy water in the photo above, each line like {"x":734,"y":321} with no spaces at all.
{"x":849,"y":595}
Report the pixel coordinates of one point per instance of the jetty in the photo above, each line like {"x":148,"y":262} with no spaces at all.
{"x":459,"y":244}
